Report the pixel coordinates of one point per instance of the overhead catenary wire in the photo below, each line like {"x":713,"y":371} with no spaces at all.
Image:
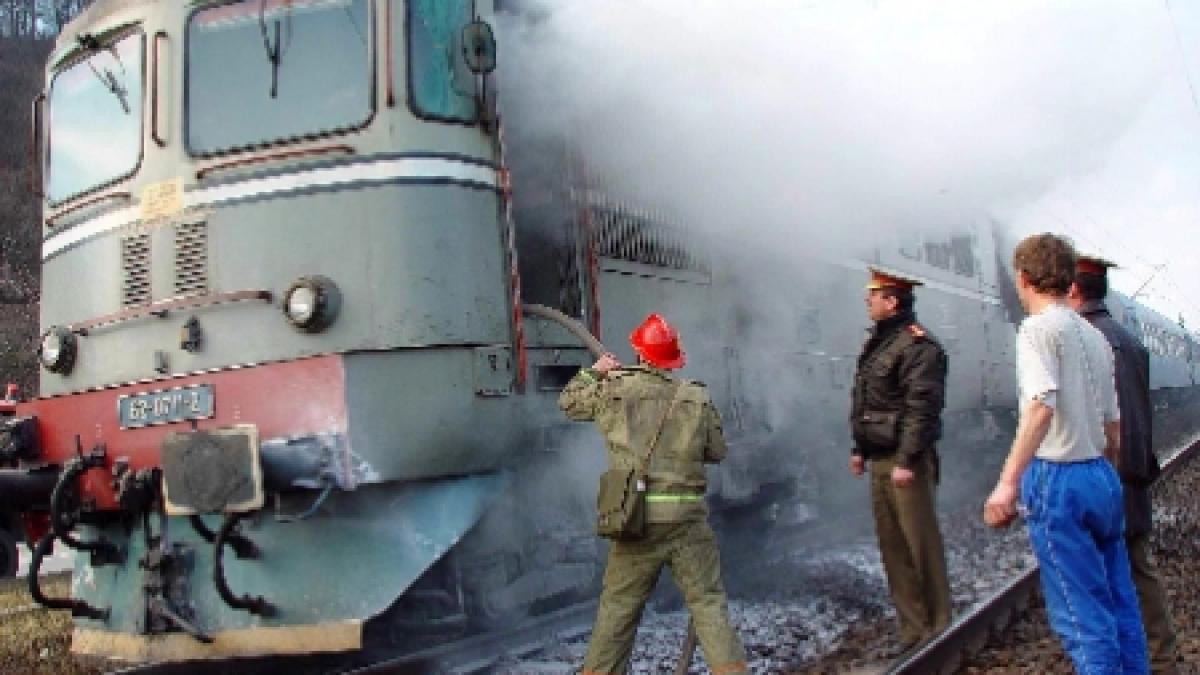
{"x":1105,"y":230}
{"x":1178,"y":296}
{"x":1073,"y":231}
{"x":1182,"y":57}
{"x":1171,"y":279}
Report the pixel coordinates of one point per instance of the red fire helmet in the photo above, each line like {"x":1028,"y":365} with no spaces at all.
{"x":657,"y":342}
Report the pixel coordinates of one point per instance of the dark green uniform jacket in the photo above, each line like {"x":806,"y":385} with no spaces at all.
{"x":627,"y":406}
{"x":899,"y":392}
{"x":1137,"y":464}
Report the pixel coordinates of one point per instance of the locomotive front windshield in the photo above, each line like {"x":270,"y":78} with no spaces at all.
{"x":266,"y":71}
{"x":95,"y":121}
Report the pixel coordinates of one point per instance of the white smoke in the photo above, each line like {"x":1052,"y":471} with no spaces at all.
{"x":838,"y":120}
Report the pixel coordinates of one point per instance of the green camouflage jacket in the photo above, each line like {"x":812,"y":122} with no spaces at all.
{"x":627,"y":406}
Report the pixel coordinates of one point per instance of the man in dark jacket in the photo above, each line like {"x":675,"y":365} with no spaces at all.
{"x":895,"y":418}
{"x":1137,"y":465}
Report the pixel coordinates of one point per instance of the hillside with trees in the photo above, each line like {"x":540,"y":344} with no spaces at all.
{"x":27,"y":32}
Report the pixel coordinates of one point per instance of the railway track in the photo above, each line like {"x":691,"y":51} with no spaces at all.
{"x":947,"y":653}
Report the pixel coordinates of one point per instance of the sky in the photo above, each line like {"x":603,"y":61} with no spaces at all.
{"x":1141,"y":206}
{"x":846,"y":123}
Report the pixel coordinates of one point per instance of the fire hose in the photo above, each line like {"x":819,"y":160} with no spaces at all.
{"x":574,"y":327}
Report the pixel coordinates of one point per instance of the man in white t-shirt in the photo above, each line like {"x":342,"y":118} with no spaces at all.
{"x":1060,"y":463}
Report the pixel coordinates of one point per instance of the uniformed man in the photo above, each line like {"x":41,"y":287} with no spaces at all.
{"x":1137,"y":465}
{"x":895,"y":419}
{"x":635,"y":408}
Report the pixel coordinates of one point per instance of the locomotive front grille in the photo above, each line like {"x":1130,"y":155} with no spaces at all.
{"x":191,"y":258}
{"x":135,"y":266}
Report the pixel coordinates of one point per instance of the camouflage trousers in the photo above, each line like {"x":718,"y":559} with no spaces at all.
{"x":910,"y":543}
{"x":689,"y":550}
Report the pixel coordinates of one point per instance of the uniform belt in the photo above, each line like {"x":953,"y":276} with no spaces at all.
{"x":651,"y":497}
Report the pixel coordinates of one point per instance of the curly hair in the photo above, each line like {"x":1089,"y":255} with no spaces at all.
{"x":1048,"y":262}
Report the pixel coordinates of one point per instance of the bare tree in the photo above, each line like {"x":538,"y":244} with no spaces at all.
{"x":37,"y":19}
{"x":27,"y":29}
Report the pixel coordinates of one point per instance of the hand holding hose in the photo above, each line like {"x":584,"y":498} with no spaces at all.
{"x":606,"y":363}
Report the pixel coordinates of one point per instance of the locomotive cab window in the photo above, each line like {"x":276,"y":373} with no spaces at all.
{"x":268,"y":71}
{"x":95,"y":118}
{"x":440,"y":85}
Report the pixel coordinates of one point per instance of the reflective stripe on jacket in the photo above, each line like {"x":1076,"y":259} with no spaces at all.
{"x":627,"y":407}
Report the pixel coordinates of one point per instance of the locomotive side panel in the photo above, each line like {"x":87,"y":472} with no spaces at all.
{"x":630,"y":291}
{"x":417,"y":413}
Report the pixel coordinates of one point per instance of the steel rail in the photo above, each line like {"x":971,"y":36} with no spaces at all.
{"x":946,"y":653}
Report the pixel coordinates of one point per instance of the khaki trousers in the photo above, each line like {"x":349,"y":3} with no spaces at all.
{"x":910,"y":543}
{"x":1160,"y":634}
{"x":689,"y":550}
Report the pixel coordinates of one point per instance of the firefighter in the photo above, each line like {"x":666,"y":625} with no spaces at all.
{"x":895,"y":419}
{"x":641,"y":408}
{"x":1137,"y":465}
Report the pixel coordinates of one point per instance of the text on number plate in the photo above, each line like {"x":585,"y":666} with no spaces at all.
{"x":169,"y":405}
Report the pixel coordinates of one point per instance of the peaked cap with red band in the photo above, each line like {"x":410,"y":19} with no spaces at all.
{"x":1090,"y":264}
{"x":880,"y":279}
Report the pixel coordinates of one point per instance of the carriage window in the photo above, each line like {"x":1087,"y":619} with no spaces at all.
{"x":440,"y":84}
{"x":95,"y":122}
{"x":265,"y":71}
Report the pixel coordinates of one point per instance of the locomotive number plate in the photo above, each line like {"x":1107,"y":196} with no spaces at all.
{"x":165,"y":406}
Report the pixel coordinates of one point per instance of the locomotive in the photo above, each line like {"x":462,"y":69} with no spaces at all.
{"x":302,"y":341}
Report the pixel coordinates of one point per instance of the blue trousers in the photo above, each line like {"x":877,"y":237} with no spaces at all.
{"x":1076,"y":523}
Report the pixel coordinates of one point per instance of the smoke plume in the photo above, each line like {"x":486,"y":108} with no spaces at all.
{"x":797,"y":122}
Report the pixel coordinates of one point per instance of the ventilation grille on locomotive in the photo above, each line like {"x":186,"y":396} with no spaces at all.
{"x":135,"y":267}
{"x":191,"y":258}
{"x":639,"y":236}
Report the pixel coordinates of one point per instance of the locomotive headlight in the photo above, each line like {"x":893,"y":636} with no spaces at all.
{"x":302,"y":304}
{"x":312,"y":303}
{"x":57,"y":350}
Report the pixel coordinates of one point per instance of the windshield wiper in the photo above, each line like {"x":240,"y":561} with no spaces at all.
{"x":117,"y":89}
{"x":91,"y":46}
{"x":274,"y":51}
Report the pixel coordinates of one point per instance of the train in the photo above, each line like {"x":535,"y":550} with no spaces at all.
{"x":307,"y":305}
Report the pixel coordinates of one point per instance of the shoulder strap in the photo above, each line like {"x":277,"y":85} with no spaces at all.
{"x":645,"y":466}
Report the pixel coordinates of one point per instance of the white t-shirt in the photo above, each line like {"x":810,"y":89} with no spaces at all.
{"x":1067,"y":364}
